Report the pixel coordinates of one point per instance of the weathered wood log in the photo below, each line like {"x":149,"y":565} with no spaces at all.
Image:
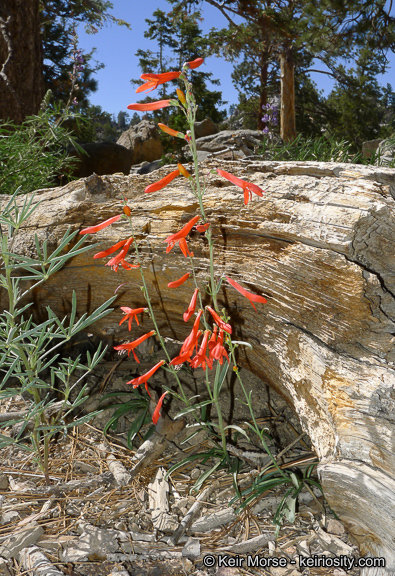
{"x":320,"y":245}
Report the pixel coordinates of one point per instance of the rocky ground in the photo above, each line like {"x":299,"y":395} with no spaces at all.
{"x":100,"y":518}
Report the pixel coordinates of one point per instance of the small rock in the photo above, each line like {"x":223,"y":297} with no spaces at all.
{"x":182,"y":503}
{"x":21,"y":485}
{"x":191,"y":548}
{"x":141,"y":536}
{"x":4,"y":570}
{"x":227,"y":571}
{"x":303,"y":548}
{"x":279,"y":571}
{"x":84,"y":467}
{"x":11,"y":547}
{"x":147,"y":167}
{"x":8,"y":517}
{"x":214,"y":520}
{"x":48,"y":545}
{"x":195,"y":474}
{"x":94,"y":544}
{"x":335,"y":527}
{"x":72,"y":509}
{"x":35,"y":562}
{"x":271,"y":546}
{"x":339,"y":572}
{"x":3,"y":482}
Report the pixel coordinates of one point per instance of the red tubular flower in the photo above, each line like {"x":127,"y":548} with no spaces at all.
{"x":119,"y":259}
{"x":167,"y":179}
{"x":218,"y":351}
{"x":149,"y":106}
{"x":183,"y":171}
{"x":156,"y":414}
{"x":178,"y":282}
{"x":130,"y":346}
{"x":217,"y":320}
{"x":201,"y":359}
{"x":170,"y":131}
{"x":145,"y":377}
{"x":251,"y":297}
{"x":111,"y":250}
{"x":202,"y":227}
{"x":163,"y":182}
{"x":247,"y":187}
{"x":131,"y":313}
{"x":155,"y":80}
{"x":191,"y":307}
{"x":195,"y":63}
{"x":184,"y":248}
{"x":180,"y":237}
{"x":213,"y":338}
{"x":181,"y":358}
{"x":191,"y":340}
{"x":94,"y":229}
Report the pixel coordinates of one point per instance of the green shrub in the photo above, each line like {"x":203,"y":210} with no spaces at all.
{"x":34,"y":154}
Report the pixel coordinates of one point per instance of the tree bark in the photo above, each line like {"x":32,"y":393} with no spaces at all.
{"x":21,"y":68}
{"x":288,"y":125}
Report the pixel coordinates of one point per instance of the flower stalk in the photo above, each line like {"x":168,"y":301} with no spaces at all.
{"x":204,"y":346}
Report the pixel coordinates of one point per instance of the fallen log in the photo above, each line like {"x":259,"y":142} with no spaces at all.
{"x":320,"y":246}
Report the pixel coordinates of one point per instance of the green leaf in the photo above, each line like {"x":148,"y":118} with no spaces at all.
{"x":234,"y":427}
{"x":183,"y":462}
{"x":219,"y":382}
{"x":192,"y":408}
{"x":290,"y":508}
{"x":136,"y":426}
{"x":203,"y":477}
{"x":242,"y":343}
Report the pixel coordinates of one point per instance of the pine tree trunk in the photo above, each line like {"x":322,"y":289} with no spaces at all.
{"x":288,"y":126}
{"x":21,"y":69}
{"x":263,"y":88}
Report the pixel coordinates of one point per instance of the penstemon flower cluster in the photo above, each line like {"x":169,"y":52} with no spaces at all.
{"x":209,"y":344}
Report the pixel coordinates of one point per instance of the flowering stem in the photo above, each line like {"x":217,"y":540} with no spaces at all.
{"x":259,"y":433}
{"x":191,"y":114}
{"x":152,"y":315}
{"x":217,"y":390}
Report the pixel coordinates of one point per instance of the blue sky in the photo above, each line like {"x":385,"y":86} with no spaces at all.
{"x":117,"y":46}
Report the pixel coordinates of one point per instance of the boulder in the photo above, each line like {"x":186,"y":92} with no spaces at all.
{"x":143,"y":141}
{"x":386,"y":152}
{"x":370,"y":147}
{"x":228,"y":144}
{"x":101,"y":158}
{"x":226,"y":139}
{"x":320,"y":245}
{"x":205,"y":128}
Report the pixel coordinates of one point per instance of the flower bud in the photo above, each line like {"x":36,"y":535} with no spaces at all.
{"x":183,"y":171}
{"x":181,"y":96}
{"x":127,"y":211}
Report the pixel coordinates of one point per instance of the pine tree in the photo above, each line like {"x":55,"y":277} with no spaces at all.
{"x":179,"y":39}
{"x":47,"y":30}
{"x":325,"y":30}
{"x":359,"y":108}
